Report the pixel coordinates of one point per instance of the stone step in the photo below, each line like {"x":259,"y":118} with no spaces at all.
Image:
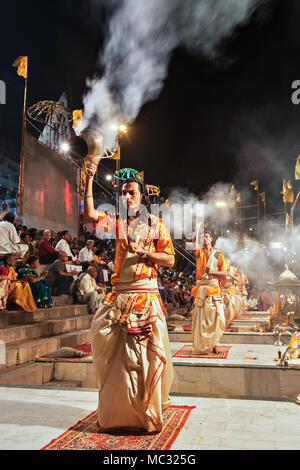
{"x":16,"y":333}
{"x":252,"y":322}
{"x":64,"y":383}
{"x":42,"y":314}
{"x":235,"y":377}
{"x":24,"y":351}
{"x":59,"y":301}
{"x":3,"y":319}
{"x":28,"y":374}
{"x":76,"y":371}
{"x":248,"y":337}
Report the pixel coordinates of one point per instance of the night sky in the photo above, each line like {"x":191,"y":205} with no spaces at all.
{"x":232,"y":121}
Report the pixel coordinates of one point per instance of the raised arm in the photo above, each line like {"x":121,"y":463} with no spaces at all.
{"x":89,"y":209}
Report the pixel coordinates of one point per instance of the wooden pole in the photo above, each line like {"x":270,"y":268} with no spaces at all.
{"x":21,"y":178}
{"x":258,"y":221}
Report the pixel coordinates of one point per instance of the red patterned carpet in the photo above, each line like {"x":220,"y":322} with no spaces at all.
{"x":187,"y":351}
{"x":85,"y":434}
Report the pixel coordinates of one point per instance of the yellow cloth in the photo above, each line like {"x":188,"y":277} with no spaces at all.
{"x":21,"y":294}
{"x":22,"y":64}
{"x":77,"y":116}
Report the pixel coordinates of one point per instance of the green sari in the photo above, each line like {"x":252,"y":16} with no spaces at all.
{"x":40,"y":289}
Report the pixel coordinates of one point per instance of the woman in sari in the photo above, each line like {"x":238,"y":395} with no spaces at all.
{"x":19,"y":295}
{"x":39,"y":285}
{"x":25,"y":240}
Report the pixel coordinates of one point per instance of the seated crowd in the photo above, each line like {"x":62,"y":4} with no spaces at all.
{"x":36,"y":265}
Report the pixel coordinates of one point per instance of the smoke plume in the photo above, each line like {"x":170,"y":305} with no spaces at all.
{"x":141,"y":37}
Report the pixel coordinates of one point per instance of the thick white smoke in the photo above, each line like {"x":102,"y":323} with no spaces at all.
{"x":141,"y":36}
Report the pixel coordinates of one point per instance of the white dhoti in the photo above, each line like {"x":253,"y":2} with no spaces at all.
{"x":238,"y":305}
{"x":230,"y":305}
{"x":208,"y":318}
{"x":92,"y":299}
{"x":134,"y":374}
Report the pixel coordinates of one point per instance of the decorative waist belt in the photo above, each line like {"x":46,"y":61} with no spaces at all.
{"x":208,"y":282}
{"x":142,"y":285}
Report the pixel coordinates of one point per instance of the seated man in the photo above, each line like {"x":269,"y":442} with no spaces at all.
{"x":88,"y":290}
{"x":9,"y":238}
{"x":59,"y":279}
{"x":64,"y":245}
{"x":47,"y":253}
{"x":86,"y":255}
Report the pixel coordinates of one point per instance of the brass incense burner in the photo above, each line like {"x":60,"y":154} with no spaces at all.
{"x":287,"y":299}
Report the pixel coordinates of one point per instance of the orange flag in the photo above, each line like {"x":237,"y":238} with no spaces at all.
{"x":117,"y":154}
{"x":22,"y":64}
{"x":255,"y":184}
{"x":77,"y":116}
{"x":297,"y":168}
{"x":287,"y":191}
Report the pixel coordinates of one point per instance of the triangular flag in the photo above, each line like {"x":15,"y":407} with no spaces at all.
{"x":287,"y":191}
{"x":255,"y":184}
{"x":117,"y":154}
{"x":22,"y":64}
{"x":77,"y":116}
{"x":297,"y":168}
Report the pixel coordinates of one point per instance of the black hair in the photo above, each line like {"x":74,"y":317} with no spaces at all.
{"x":63,"y":233}
{"x":85,"y":266}
{"x":9,"y":217}
{"x":31,"y":260}
{"x":145,"y":200}
{"x":207,"y":230}
{"x":23,"y":235}
{"x":6,"y":257}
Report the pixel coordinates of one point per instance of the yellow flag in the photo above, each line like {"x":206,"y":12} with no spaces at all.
{"x":232,"y":191}
{"x":293,"y":344}
{"x":77,"y":116}
{"x":22,"y":64}
{"x":238,"y":198}
{"x":255,"y":184}
{"x":117,"y":154}
{"x":297,"y":168}
{"x":287,"y":191}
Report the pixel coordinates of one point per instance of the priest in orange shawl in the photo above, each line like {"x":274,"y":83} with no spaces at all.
{"x":208,"y":318}
{"x":130,"y":343}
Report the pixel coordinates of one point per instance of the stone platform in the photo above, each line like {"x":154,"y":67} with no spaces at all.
{"x":32,"y":416}
{"x":249,"y":371}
